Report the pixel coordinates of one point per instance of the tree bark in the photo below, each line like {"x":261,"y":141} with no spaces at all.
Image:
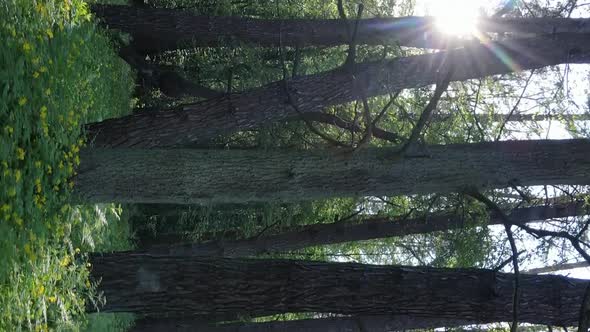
{"x":180,"y":286}
{"x":160,"y":29}
{"x":336,"y":324}
{"x":519,"y":117}
{"x":558,"y":267}
{"x":199,"y":123}
{"x":180,"y":176}
{"x":374,"y":228}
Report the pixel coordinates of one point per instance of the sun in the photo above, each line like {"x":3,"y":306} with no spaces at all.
{"x":456,"y":17}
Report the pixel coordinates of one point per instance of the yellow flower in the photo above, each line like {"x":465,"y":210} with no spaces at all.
{"x":26,"y":47}
{"x":20,"y":154}
{"x":43,"y":69}
{"x":49,"y":33}
{"x":49,"y":169}
{"x":52,"y":299}
{"x":17,"y":175}
{"x":22,"y":101}
{"x":36,"y":74}
{"x":77,"y":250}
{"x":65,"y":261}
{"x":43,"y":114}
{"x":40,"y":290}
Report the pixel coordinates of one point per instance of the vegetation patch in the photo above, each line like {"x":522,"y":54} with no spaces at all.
{"x":57,"y":72}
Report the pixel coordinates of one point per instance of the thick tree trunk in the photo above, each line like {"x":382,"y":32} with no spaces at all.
{"x":337,"y":324}
{"x":182,"y":176}
{"x":375,"y":228}
{"x":180,"y":286}
{"x":201,"y":122}
{"x":159,"y":29}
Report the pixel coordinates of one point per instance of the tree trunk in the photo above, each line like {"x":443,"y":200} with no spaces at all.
{"x":558,"y":267}
{"x":181,"y":176}
{"x":180,"y":286}
{"x":201,"y":122}
{"x":375,"y":228}
{"x":519,"y":117}
{"x":160,"y":29}
{"x":336,"y":324}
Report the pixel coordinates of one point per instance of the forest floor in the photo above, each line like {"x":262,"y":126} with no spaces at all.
{"x":57,"y":72}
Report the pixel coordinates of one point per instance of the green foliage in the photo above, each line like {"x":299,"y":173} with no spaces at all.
{"x":57,"y":72}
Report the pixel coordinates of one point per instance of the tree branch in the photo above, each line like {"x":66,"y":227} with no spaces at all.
{"x":507,"y":226}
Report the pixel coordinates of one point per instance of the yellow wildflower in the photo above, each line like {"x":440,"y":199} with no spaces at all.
{"x":20,"y":154}
{"x":52,"y":299}
{"x":40,"y":290}
{"x":22,"y":101}
{"x":43,"y":114}
{"x":43,"y":69}
{"x":26,"y":47}
{"x":49,"y":169}
{"x":49,"y":33}
{"x":65,"y":261}
{"x":77,"y":250}
{"x":36,"y":74}
{"x":17,"y":175}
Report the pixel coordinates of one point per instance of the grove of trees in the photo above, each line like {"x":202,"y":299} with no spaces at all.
{"x":302,"y":129}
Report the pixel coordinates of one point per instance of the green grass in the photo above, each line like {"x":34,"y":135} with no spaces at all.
{"x":57,"y":72}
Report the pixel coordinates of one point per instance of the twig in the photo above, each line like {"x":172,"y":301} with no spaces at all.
{"x":441,"y":87}
{"x":522,"y":194}
{"x":507,"y":226}
{"x":351,"y":126}
{"x":515,"y":107}
{"x":507,"y":261}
